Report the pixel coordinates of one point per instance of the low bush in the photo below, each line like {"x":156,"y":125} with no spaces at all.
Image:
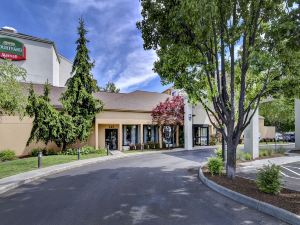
{"x":215,"y":165}
{"x":7,"y":155}
{"x":268,"y":179}
{"x":280,"y":150}
{"x":52,"y":152}
{"x":262,"y":153}
{"x":74,"y":151}
{"x":151,"y":145}
{"x":219,"y":153}
{"x":85,"y":150}
{"x":34,"y":152}
{"x":265,"y":152}
{"x":247,"y":156}
{"x":88,"y":149}
{"x":138,"y":146}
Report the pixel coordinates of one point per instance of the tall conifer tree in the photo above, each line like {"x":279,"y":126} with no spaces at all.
{"x":78,"y":100}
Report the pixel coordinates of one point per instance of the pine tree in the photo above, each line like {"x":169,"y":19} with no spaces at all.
{"x":78,"y":101}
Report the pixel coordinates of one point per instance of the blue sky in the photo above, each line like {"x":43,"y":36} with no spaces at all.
{"x":115,"y":43}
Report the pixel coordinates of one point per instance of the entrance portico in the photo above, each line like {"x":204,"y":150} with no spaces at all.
{"x":128,"y":129}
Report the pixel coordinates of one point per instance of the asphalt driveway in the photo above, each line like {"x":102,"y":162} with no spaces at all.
{"x":150,"y":189}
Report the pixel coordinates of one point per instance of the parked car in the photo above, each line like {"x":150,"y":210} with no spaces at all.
{"x":292,"y":137}
{"x":278,"y":137}
{"x":289,"y":137}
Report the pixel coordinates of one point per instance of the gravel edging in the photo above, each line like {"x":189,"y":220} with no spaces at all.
{"x":12,"y":182}
{"x":264,"y":207}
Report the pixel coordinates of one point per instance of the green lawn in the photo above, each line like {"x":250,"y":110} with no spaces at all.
{"x":10,"y":168}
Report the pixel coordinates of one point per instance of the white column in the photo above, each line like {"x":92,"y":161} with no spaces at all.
{"x":251,"y":137}
{"x":188,"y":125}
{"x":297,"y":123}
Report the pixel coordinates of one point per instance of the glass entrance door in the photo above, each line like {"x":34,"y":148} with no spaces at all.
{"x":111,"y":138}
{"x":200,"y":134}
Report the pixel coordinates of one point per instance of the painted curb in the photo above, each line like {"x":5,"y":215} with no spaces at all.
{"x":12,"y":182}
{"x":266,"y":208}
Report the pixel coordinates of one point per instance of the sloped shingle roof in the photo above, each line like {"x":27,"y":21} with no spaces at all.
{"x":134,"y":101}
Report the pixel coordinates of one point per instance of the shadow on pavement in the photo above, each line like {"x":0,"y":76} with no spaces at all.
{"x":121,"y":194}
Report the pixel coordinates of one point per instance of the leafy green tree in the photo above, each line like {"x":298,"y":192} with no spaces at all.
{"x":279,"y":113}
{"x":78,"y":101}
{"x":49,"y":125}
{"x":111,"y":87}
{"x":12,"y":99}
{"x":46,"y":124}
{"x":226,"y":54}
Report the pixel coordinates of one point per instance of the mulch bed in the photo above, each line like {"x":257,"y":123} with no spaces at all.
{"x":287,"y":199}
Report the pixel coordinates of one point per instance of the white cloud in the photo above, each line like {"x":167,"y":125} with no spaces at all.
{"x":138,"y":70}
{"x":115,"y":43}
{"x":83,"y":5}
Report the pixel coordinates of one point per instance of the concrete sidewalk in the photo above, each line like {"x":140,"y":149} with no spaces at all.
{"x":12,"y":182}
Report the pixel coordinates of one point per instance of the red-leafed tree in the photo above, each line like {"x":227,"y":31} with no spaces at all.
{"x":169,"y":113}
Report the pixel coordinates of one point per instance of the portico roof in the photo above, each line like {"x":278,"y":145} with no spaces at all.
{"x":142,"y":101}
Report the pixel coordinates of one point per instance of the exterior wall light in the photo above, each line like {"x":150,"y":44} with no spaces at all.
{"x":190,"y":117}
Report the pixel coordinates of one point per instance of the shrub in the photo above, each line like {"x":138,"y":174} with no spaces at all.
{"x":215,"y":165}
{"x":138,"y":146}
{"x":265,"y":152}
{"x":219,"y":153}
{"x":70,"y":151}
{"x":35,"y":151}
{"x":7,"y":155}
{"x":85,"y":150}
{"x":52,"y":152}
{"x":280,"y":150}
{"x":268,"y":179}
{"x":262,"y":153}
{"x":247,"y":156}
{"x":269,"y":152}
{"x":88,"y":150}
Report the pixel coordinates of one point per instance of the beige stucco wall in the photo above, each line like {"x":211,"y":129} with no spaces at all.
{"x":266,"y":131}
{"x":199,"y":115}
{"x":14,"y":134}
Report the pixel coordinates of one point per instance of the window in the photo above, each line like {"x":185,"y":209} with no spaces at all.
{"x":150,"y":133}
{"x":201,"y":135}
{"x":169,"y":135}
{"x":130,"y":135}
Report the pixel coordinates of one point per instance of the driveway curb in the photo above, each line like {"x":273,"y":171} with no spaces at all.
{"x":266,"y":208}
{"x":12,"y":182}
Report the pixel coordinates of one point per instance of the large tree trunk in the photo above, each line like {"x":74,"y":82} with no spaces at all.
{"x":231,"y":158}
{"x":64,"y":147}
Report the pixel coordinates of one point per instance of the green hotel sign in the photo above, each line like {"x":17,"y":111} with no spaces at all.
{"x":12,"y":49}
